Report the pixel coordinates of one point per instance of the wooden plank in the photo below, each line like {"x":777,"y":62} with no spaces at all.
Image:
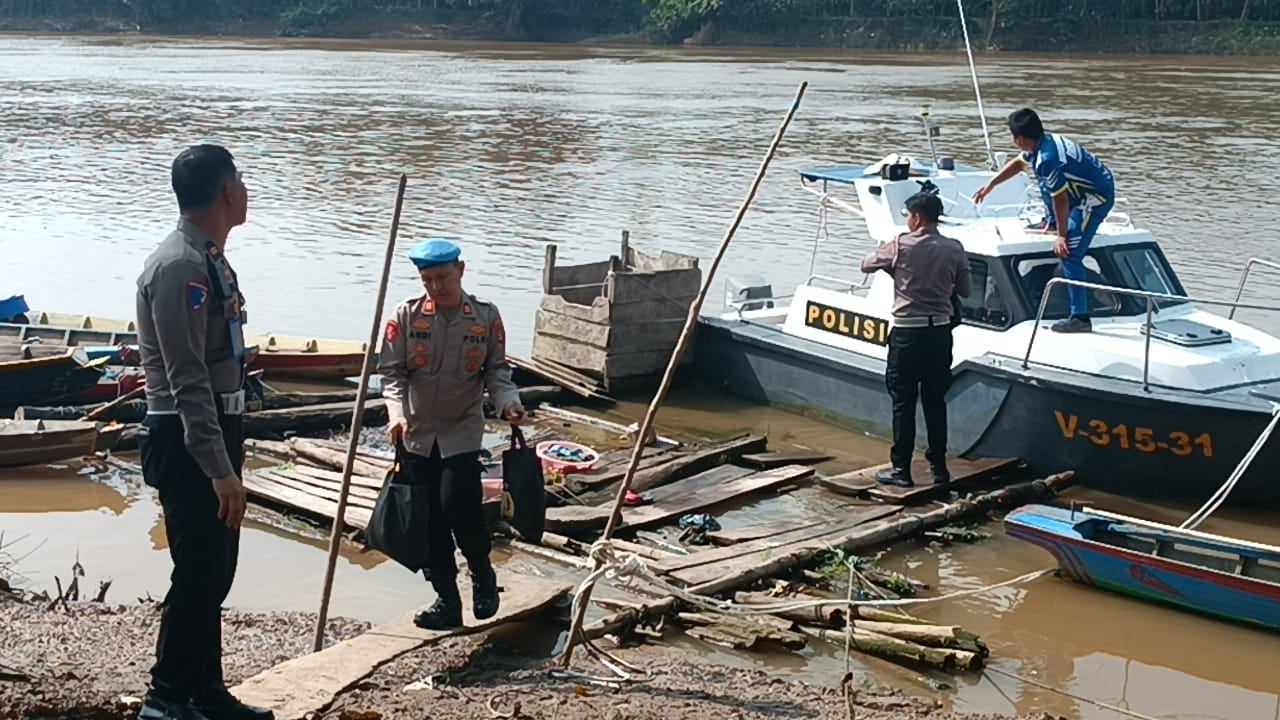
{"x":361,"y":496}
{"x":549,"y":269}
{"x":334,"y":477}
{"x":653,"y":336}
{"x":681,"y":465}
{"x":355,"y":499}
{"x":584,"y":274}
{"x":725,"y":538}
{"x":567,"y":378}
{"x":778,"y":459}
{"x":618,"y":314}
{"x":598,"y":422}
{"x":265,"y":488}
{"x":702,"y":490}
{"x":962,"y":472}
{"x":720,"y":555}
{"x":308,"y":684}
{"x":861,"y":482}
{"x":675,"y":286}
{"x":694,"y":493}
{"x":855,"y":482}
{"x":606,"y":363}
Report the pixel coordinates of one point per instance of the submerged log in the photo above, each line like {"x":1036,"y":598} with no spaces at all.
{"x":827,"y":616}
{"x":892,"y":648}
{"x":871,"y":534}
{"x":938,"y":636}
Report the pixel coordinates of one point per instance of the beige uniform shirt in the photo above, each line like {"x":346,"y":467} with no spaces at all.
{"x":927,"y":269}
{"x":187,"y":296}
{"x":436,"y":370}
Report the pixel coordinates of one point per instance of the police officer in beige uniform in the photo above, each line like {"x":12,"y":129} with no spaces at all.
{"x":440,"y":352}
{"x":928,"y":270}
{"x":190,"y":317}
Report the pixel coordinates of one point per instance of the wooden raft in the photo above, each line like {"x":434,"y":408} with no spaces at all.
{"x":709,"y":565}
{"x":309,"y":684}
{"x":705,"y":489}
{"x":863,"y":482}
{"x":314,"y":492}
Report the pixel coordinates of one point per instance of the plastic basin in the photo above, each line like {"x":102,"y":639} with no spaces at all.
{"x":564,"y":466}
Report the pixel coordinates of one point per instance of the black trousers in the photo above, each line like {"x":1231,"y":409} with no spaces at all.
{"x":204,"y":552}
{"x":455,"y":510}
{"x":919,"y":368}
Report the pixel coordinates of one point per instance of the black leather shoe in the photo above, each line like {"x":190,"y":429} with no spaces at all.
{"x":220,"y":704}
{"x":900,"y":477}
{"x":484,"y":593}
{"x":153,"y":708}
{"x":446,"y":612}
{"x":941,"y":475}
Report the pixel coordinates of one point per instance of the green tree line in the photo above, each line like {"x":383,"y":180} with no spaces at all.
{"x":669,"y":16}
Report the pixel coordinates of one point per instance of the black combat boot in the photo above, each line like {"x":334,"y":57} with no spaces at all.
{"x":941,"y":475}
{"x":899,"y":476}
{"x":217,"y":703}
{"x":156,"y":708}
{"x":484,"y":592}
{"x":446,"y":612}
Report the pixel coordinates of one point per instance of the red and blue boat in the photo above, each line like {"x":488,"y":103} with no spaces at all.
{"x":1228,"y":578}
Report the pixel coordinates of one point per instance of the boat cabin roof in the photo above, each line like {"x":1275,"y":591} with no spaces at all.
{"x":999,"y":227}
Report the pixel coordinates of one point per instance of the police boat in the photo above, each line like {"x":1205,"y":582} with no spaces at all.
{"x":1164,"y":398}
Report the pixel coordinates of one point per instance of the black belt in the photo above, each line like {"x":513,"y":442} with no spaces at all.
{"x":922,"y":321}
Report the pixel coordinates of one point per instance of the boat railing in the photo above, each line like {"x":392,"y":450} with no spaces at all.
{"x":1244,"y":278}
{"x":1151,"y":298}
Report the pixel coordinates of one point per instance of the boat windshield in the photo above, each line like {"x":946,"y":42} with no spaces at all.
{"x":1137,"y":267}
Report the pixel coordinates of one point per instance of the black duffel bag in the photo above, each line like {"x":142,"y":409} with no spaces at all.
{"x":399,"y":525}
{"x":522,"y":474}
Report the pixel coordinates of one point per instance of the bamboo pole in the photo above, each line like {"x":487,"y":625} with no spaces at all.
{"x":690,"y":323}
{"x":357,"y":420}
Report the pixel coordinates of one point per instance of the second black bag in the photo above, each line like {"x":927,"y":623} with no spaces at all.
{"x":522,"y":474}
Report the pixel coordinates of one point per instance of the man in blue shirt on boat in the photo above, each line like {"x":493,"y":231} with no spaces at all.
{"x":1080,"y":188}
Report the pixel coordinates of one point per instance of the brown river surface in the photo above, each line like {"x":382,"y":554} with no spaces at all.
{"x":510,"y":147}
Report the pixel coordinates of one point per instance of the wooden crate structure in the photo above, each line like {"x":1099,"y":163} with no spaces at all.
{"x":619,"y":320}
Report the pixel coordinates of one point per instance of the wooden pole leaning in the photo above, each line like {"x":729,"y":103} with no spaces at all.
{"x":357,"y":420}
{"x":690,"y":323}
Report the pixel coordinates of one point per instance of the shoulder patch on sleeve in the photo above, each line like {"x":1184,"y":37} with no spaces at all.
{"x":499,"y":330}
{"x":197,"y":295}
{"x":393,"y":331}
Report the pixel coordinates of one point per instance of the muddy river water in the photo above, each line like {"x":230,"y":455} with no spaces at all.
{"x":511,"y":147}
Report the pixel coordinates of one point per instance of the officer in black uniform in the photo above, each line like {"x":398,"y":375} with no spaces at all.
{"x":190,"y":336}
{"x":929,"y":271}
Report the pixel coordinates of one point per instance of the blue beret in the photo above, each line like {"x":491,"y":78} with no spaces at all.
{"x":433,"y":252}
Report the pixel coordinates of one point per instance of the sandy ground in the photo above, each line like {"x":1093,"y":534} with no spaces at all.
{"x":80,"y":662}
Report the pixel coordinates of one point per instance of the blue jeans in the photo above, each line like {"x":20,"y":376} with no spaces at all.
{"x":1082,"y":226}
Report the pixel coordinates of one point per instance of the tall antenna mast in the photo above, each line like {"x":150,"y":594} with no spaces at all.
{"x":977,"y":89}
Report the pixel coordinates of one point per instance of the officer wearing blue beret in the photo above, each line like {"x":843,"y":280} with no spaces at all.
{"x":440,"y":352}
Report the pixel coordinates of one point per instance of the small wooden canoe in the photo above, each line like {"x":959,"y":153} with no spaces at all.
{"x":48,"y":380}
{"x":1220,"y":576}
{"x":280,"y":356}
{"x":34,"y":442}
